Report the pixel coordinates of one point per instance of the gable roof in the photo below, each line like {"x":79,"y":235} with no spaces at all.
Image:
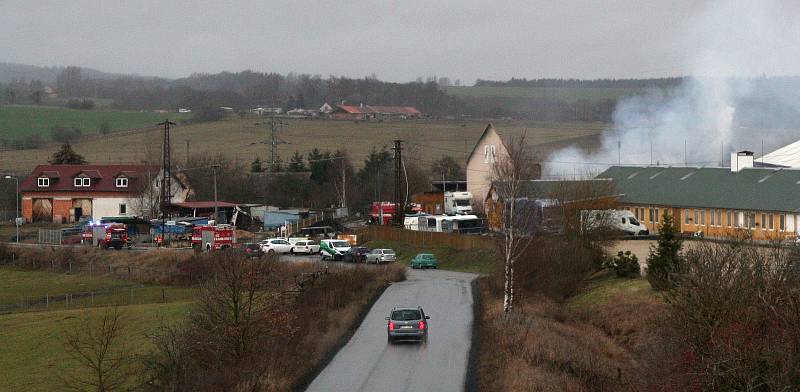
{"x":708,"y":187}
{"x":489,"y":128}
{"x":348,"y":109}
{"x":787,"y":156}
{"x":405,"y":110}
{"x":566,"y":190}
{"x":103,"y":177}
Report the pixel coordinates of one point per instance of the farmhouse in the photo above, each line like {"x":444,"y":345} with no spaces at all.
{"x":348,"y":112}
{"x":717,"y":201}
{"x":67,"y":193}
{"x":364,"y":112}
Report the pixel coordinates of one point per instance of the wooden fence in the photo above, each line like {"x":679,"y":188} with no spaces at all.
{"x":426,"y":238}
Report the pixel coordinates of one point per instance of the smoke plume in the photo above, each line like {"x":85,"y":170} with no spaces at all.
{"x":737,"y":96}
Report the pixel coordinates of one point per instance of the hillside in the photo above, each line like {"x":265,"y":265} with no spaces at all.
{"x":568,"y":94}
{"x":11,"y":72}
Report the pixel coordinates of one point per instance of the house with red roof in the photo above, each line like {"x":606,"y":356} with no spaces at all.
{"x":67,"y":193}
{"x":348,"y":112}
{"x":364,"y":112}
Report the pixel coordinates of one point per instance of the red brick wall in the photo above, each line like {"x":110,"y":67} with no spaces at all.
{"x":27,"y":209}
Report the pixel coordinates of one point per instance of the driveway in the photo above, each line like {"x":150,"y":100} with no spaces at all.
{"x":368,"y":363}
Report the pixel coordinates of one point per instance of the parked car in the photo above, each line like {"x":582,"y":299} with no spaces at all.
{"x":407,"y":324}
{"x":276,"y":245}
{"x":378,"y":256}
{"x":253,"y":250}
{"x":335,"y":249}
{"x":360,"y":254}
{"x":424,"y":260}
{"x":305,"y":246}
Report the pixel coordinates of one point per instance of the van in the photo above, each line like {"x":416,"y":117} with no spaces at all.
{"x":335,"y":250}
{"x":616,"y":220}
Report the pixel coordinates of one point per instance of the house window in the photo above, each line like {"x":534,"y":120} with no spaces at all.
{"x":719,"y":218}
{"x":43,"y":182}
{"x":123,"y":209}
{"x":750,"y":219}
{"x":657,"y":216}
{"x":696,"y":217}
{"x":651,"y":215}
{"x":782,"y":222}
{"x":687,"y":219}
{"x":82,"y":181}
{"x":122,"y":182}
{"x":712,"y":218}
{"x":771,"y":221}
{"x":488,"y":153}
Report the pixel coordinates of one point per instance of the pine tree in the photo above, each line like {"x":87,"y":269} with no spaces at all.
{"x":296,"y":164}
{"x":256,"y":166}
{"x":67,"y":156}
{"x":664,"y":259}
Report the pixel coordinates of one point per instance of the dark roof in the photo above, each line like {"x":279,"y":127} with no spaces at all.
{"x":103,"y":177}
{"x":711,"y":187}
{"x":566,"y":190}
{"x":204,"y":204}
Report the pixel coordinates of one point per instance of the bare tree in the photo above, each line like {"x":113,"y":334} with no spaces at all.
{"x":509,"y":174}
{"x":98,"y":347}
{"x":146,"y":202}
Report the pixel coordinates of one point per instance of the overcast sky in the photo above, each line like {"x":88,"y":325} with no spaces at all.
{"x":395,"y":40}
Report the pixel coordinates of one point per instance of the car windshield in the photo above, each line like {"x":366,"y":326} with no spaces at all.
{"x":282,"y":242}
{"x":340,"y":244}
{"x":634,"y":221}
{"x":406,"y":315}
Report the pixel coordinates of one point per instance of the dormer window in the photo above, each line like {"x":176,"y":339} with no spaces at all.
{"x":82,"y":182}
{"x":122,"y":182}
{"x":43,"y":182}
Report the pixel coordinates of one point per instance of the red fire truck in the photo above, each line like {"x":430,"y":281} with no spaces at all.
{"x":382,"y":212}
{"x":106,"y":235}
{"x":213,"y":237}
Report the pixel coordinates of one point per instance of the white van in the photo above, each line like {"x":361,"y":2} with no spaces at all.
{"x":617,"y":220}
{"x":335,"y":250}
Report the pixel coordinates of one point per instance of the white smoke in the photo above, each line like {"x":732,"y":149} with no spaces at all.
{"x":726,"y":104}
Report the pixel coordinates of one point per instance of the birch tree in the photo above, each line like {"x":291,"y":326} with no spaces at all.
{"x":510,"y":171}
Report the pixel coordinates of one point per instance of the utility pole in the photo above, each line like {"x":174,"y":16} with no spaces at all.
{"x":272,"y":141}
{"x":166,"y":176}
{"x":398,"y":183}
{"x":216,"y":209}
{"x":187,"y":152}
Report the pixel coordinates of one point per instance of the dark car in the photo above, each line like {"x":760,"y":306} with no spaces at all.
{"x":253,"y":250}
{"x":407,"y":324}
{"x":360,"y":253}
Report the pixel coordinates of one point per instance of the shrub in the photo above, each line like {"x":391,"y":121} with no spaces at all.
{"x":625,"y":265}
{"x":104,"y":128}
{"x":80,"y":104}
{"x":664,"y":259}
{"x":65,"y":134}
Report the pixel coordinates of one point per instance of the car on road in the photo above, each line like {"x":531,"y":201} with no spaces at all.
{"x":424,"y":260}
{"x":335,"y":250}
{"x":378,"y":256}
{"x":276,"y":245}
{"x":360,"y":254}
{"x":253,"y":250}
{"x":407,"y":323}
{"x":306,"y":247}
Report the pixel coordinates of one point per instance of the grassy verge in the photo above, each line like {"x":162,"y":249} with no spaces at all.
{"x":478,"y":261}
{"x":33,"y":356}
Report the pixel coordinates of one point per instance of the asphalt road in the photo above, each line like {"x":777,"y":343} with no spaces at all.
{"x":368,"y":363}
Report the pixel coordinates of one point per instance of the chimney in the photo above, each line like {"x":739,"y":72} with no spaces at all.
{"x":741,"y":160}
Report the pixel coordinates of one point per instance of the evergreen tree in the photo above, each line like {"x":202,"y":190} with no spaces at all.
{"x":256,"y":166}
{"x":277,"y":166}
{"x":296,"y":164}
{"x":664,"y":259}
{"x":67,"y":156}
{"x":319,"y":164}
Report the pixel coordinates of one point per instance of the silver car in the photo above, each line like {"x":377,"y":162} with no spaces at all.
{"x":378,"y":256}
{"x":407,"y":324}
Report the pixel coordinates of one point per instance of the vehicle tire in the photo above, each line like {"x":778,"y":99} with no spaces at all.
{"x":271,"y":252}
{"x":291,"y":251}
{"x":389,"y":339}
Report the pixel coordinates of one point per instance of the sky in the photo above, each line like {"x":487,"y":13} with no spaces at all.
{"x":394,"y":40}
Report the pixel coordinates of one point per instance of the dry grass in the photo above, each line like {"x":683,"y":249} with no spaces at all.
{"x":240,"y":138}
{"x":541,"y":346}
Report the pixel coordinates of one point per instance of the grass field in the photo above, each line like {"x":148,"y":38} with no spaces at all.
{"x":19,"y":121}
{"x":33,"y":358}
{"x":569,"y":94}
{"x":482,"y":261}
{"x":241,"y":139}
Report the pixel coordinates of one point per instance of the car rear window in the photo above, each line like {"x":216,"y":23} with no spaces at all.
{"x":406,"y":315}
{"x":388,"y":251}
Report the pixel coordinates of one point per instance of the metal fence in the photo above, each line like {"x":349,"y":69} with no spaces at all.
{"x":50,"y":236}
{"x":112,"y":296}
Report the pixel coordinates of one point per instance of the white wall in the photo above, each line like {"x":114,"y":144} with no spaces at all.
{"x":109,"y":206}
{"x":479,"y":172}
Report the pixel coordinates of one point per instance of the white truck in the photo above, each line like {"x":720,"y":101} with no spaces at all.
{"x":615,"y":220}
{"x":458,"y":203}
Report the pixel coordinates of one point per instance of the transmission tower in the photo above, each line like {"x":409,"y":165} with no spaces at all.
{"x":166,"y":172}
{"x":400,"y":207}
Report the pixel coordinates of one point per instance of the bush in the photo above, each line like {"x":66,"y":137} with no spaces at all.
{"x":625,"y":265}
{"x":664,"y":259}
{"x":65,"y":134}
{"x":84,"y":104}
{"x":104,"y":128}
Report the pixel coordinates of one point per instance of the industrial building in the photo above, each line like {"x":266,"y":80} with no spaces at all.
{"x":719,"y":202}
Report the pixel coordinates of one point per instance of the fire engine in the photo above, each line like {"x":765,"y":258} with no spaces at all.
{"x":382,"y":212}
{"x":213,"y":237}
{"x":106,"y":235}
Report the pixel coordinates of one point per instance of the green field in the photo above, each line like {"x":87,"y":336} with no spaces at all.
{"x":569,"y":94}
{"x":33,"y":358}
{"x":480,"y":261}
{"x":19,"y":121}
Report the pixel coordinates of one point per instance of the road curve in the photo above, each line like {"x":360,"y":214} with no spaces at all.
{"x":367,"y":363}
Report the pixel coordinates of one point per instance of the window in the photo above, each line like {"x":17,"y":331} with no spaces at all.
{"x":82,"y":181}
{"x":750,"y":219}
{"x":719,"y":217}
{"x":702,"y":217}
{"x":782,"y":222}
{"x":43,"y":182}
{"x":122,"y":182}
{"x":123,"y":209}
{"x":488,"y":153}
{"x":687,"y":219}
{"x":712,"y":218}
{"x":696,"y":217}
{"x":728,"y":219}
{"x":658,"y":217}
{"x":651,"y":215}
{"x":771,"y":222}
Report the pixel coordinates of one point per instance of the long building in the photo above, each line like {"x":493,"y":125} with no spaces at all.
{"x":719,"y":202}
